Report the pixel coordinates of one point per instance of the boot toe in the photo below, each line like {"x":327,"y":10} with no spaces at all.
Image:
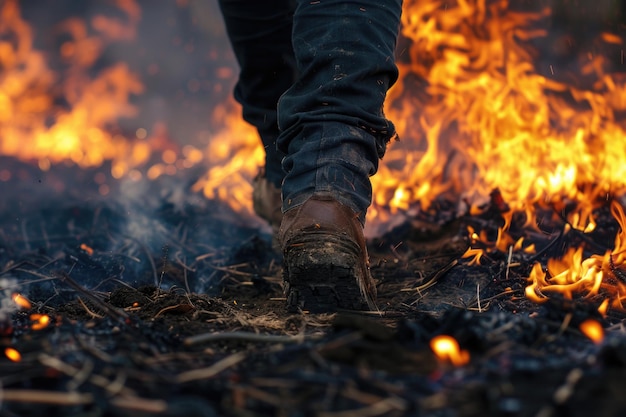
{"x":325,"y":258}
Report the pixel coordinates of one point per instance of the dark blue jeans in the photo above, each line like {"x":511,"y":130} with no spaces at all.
{"x":327,"y":66}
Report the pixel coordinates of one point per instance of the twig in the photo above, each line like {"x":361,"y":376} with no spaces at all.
{"x":91,"y":313}
{"x":508,"y":263}
{"x":380,"y":408}
{"x":146,"y":251}
{"x":565,"y":324}
{"x":31,"y":396}
{"x":244,"y":336}
{"x":500,"y":294}
{"x":115,"y":313}
{"x":213,"y":370}
{"x":231,"y":271}
{"x":182,"y":263}
{"x":25,"y":235}
{"x":44,"y":278}
{"x":435,"y":277}
{"x":548,"y":246}
{"x":563,"y":393}
{"x":174,"y":307}
{"x":260,"y":395}
{"x":144,"y":405}
{"x":115,"y":387}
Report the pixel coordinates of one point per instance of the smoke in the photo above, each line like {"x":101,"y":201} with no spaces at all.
{"x":7,"y":306}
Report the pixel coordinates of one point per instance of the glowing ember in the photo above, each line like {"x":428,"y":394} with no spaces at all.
{"x":447,"y":349}
{"x":87,"y":249}
{"x":41,"y":321}
{"x":21,"y":301}
{"x":12,"y":354}
{"x":593,"y":330}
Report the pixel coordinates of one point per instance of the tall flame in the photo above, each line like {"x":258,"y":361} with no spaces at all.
{"x":477,"y":114}
{"x":33,"y":127}
{"x":235,"y":155}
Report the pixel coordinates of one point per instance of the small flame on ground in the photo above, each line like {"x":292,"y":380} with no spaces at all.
{"x":13,"y":354}
{"x":572,"y":275}
{"x":40,"y":321}
{"x":593,"y":330}
{"x":21,"y":301}
{"x":447,"y":349}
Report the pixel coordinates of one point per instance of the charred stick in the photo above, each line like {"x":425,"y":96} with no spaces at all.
{"x":434,"y":278}
{"x":43,"y":278}
{"x":616,"y":271}
{"x":259,"y":395}
{"x":213,"y":370}
{"x":380,"y":408}
{"x":244,"y":337}
{"x":113,"y":312}
{"x":91,"y":313}
{"x":31,"y":396}
{"x":144,"y":405}
{"x":112,"y":387}
{"x":547,"y":248}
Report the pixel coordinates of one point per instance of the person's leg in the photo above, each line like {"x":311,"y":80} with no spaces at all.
{"x":260,"y":34}
{"x":332,"y":122}
{"x":333,"y":131}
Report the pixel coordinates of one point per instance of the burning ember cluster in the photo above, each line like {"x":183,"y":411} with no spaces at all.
{"x":479,"y":114}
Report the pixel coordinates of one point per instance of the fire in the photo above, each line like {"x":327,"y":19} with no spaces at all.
{"x":447,"y":349}
{"x":87,"y":249}
{"x":488,"y":119}
{"x":34,"y":128}
{"x":40,"y":321}
{"x":477,"y":114}
{"x":593,"y":330}
{"x":475,"y":111}
{"x":13,"y":354}
{"x":236,"y":155}
{"x":591,"y":276}
{"x":20,"y":301}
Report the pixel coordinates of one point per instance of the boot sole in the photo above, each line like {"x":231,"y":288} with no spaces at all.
{"x":322,"y":273}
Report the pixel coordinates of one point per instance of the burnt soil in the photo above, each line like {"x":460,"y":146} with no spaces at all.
{"x":171,"y":306}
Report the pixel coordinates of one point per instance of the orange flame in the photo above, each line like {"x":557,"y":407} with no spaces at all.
{"x":593,"y":330}
{"x":574,"y":275}
{"x":21,"y":301}
{"x":236,"y":155}
{"x":41,"y":321}
{"x":487,"y":119}
{"x":87,"y":249}
{"x":447,"y":349}
{"x":33,"y":128}
{"x":12,"y":354}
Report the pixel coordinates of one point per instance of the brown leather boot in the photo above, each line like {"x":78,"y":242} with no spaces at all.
{"x":326,"y":265}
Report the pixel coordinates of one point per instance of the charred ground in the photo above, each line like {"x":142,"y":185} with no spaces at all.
{"x":169,"y":306}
